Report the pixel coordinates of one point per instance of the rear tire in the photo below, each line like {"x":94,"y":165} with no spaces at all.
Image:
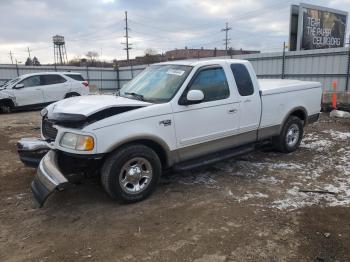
{"x":291,"y":135}
{"x":131,"y":173}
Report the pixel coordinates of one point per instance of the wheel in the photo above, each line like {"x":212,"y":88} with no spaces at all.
{"x":131,"y":173}
{"x":5,"y":109}
{"x":290,"y":137}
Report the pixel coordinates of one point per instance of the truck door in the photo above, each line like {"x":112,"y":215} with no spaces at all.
{"x":249,"y":99}
{"x":208,"y":126}
{"x":30,"y":93}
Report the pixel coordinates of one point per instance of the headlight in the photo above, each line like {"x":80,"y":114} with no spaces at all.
{"x":77,"y":142}
{"x":43,"y":112}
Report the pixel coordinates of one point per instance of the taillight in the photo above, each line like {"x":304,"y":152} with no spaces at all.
{"x":85,"y":83}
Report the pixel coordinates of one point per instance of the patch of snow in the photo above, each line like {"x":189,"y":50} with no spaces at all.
{"x":339,"y":113}
{"x":337,"y":135}
{"x":289,"y":166}
{"x":317,"y":145}
{"x":270,"y":180}
{"x":201,"y":179}
{"x":248,"y":196}
{"x":295,"y":199}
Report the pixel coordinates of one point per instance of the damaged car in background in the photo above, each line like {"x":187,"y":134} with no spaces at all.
{"x":40,"y":89}
{"x":179,"y":115}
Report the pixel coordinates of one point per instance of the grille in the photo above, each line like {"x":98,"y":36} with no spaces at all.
{"x":49,"y":132}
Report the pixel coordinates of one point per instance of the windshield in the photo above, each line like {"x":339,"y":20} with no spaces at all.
{"x":158,"y":83}
{"x":10,"y":82}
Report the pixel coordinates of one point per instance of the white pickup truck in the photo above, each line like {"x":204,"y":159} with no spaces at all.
{"x":179,"y":115}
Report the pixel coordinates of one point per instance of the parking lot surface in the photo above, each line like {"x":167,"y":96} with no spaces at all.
{"x":265,"y":206}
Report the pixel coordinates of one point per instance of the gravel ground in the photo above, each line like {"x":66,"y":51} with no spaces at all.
{"x":253,"y":208}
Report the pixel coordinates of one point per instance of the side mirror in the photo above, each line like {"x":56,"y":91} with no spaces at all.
{"x":195,"y":96}
{"x":18,"y":86}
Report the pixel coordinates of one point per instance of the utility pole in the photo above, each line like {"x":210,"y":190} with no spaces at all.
{"x":348,"y":69}
{"x":127,"y":44}
{"x":17,"y":68}
{"x":11,"y":57}
{"x":227,"y":40}
{"x":29,"y":52}
{"x":283,"y":74}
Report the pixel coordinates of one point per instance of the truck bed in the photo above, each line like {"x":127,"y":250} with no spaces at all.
{"x":279,"y":96}
{"x":275,"y":86}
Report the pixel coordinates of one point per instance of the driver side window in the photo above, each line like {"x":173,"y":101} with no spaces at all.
{"x":31,"y":81}
{"x":213,"y":83}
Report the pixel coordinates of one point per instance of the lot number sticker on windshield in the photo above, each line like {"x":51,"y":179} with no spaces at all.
{"x":175,"y":72}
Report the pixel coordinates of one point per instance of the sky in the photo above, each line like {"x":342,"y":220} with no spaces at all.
{"x":98,"y":25}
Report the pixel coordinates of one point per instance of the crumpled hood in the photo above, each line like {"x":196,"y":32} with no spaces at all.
{"x":88,"y":105}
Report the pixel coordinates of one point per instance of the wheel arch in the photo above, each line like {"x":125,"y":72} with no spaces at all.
{"x":69,"y":94}
{"x":299,"y":112}
{"x":158,"y":145}
{"x":7,"y":101}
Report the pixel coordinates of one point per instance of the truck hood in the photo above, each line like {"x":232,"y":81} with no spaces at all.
{"x":88,"y":105}
{"x":83,"y":110}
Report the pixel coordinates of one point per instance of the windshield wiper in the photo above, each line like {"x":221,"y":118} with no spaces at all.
{"x":138,"y":96}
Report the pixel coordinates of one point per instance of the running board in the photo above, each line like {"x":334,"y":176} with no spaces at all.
{"x":214,"y":157}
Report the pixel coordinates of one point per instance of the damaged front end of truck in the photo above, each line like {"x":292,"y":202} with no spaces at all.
{"x":57,"y":169}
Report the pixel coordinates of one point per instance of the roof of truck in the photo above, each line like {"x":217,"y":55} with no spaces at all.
{"x":193,"y":62}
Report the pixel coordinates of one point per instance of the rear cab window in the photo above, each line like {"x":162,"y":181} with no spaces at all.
{"x":243,"y":80}
{"x":75,"y":77}
{"x":51,"y":79}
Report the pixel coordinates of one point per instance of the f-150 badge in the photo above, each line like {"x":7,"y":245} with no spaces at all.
{"x":166,"y":122}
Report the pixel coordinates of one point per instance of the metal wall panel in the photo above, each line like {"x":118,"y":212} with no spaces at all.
{"x":323,"y":65}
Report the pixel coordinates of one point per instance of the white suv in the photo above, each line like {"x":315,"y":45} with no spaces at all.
{"x":39,"y":89}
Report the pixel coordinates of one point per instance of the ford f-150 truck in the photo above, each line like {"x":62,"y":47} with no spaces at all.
{"x":178,"y":115}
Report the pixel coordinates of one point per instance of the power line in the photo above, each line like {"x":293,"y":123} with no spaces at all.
{"x":95,"y":31}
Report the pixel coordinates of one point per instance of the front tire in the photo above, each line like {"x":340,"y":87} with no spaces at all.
{"x":5,"y":109}
{"x":131,"y":173}
{"x":291,"y":135}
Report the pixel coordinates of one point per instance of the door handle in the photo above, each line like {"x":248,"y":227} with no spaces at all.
{"x":232,"y":111}
{"x":248,"y":100}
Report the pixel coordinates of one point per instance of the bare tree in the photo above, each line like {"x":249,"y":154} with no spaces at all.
{"x":150,"y":52}
{"x":92,"y":55}
{"x":150,"y":56}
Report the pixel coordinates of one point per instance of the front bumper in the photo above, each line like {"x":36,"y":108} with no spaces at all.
{"x":32,"y":150}
{"x":48,"y":179}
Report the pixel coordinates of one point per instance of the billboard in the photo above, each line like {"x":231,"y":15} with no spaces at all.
{"x":315,"y":27}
